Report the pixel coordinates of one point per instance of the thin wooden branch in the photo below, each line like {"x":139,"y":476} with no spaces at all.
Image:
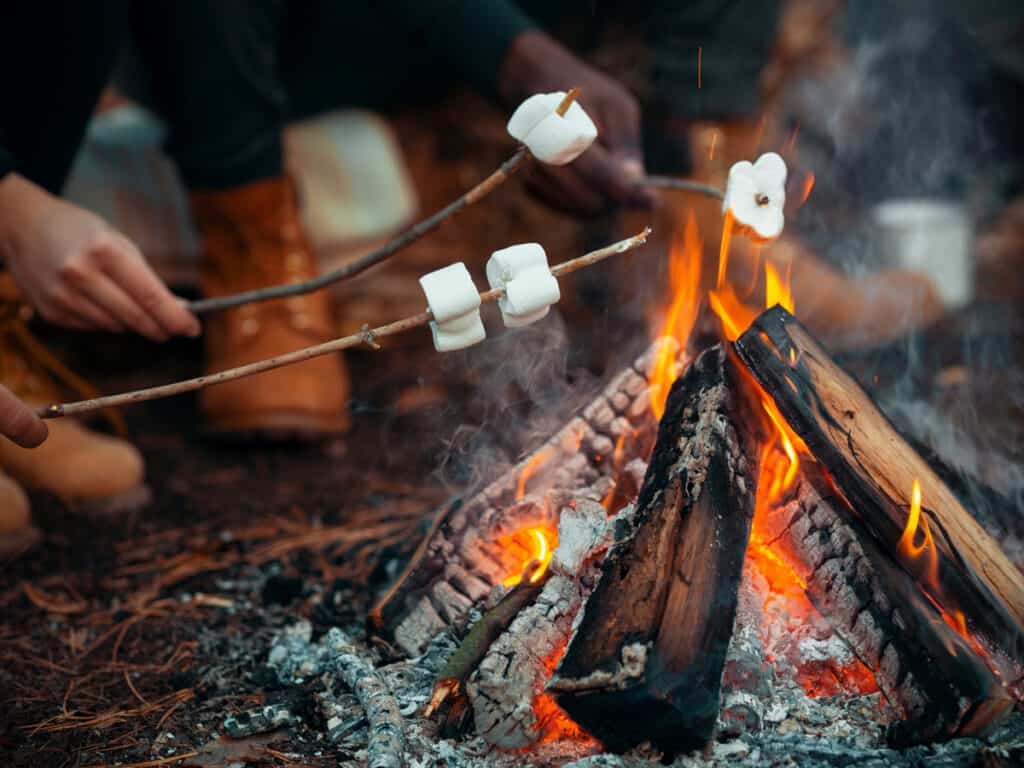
{"x":451,"y":682}
{"x":683,"y":185}
{"x":363,"y":263}
{"x":366,"y":336}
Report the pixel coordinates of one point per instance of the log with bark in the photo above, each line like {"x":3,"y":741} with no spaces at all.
{"x":927,"y":671}
{"x":460,"y":560}
{"x":645,"y":662}
{"x":961,"y":567}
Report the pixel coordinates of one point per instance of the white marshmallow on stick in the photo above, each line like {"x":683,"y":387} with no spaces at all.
{"x":551,"y":137}
{"x":522,"y":272}
{"x":455,"y":304}
{"x":755,"y":196}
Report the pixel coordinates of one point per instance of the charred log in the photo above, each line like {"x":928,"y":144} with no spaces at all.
{"x":926,"y":670}
{"x":512,"y":676}
{"x":646,"y":660}
{"x":458,"y":564}
{"x":874,"y":469}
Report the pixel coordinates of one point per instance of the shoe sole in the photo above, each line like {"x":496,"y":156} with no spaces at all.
{"x":285,"y":427}
{"x":16,"y":543}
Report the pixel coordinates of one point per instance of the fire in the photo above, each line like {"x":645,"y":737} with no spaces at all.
{"x":684,"y":281}
{"x":552,"y":721}
{"x":530,"y":470}
{"x":777,"y":289}
{"x":734,"y":314}
{"x":923,"y":556}
{"x":808,"y":186}
{"x":912,"y":551}
{"x":540,"y":542}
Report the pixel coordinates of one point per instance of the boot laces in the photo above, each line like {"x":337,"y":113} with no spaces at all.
{"x":32,"y":371}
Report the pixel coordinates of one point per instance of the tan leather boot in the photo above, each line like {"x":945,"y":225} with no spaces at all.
{"x":17,"y":534}
{"x":252,"y":238}
{"x":91,"y":472}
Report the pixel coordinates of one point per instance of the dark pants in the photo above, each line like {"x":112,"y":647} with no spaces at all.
{"x":227,"y":75}
{"x":55,"y":59}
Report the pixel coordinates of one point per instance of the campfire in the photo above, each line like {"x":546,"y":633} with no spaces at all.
{"x":718,"y":533}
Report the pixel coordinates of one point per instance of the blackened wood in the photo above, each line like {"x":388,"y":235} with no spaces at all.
{"x":459,"y":561}
{"x":646,"y":661}
{"x":874,"y":468}
{"x":927,"y":671}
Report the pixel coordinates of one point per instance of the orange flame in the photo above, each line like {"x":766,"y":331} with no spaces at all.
{"x":530,"y":470}
{"x":777,"y":289}
{"x":723,"y":248}
{"x":733,"y":313}
{"x":808,"y":186}
{"x":913,"y":551}
{"x":684,"y":280}
{"x":540,"y":542}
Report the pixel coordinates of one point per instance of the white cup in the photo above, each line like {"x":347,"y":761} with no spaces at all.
{"x":930,"y":236}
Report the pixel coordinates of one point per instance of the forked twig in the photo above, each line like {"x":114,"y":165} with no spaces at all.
{"x":363,"y":263}
{"x":365,"y":336}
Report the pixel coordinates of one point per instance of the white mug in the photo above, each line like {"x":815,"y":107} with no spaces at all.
{"x":931,"y":236}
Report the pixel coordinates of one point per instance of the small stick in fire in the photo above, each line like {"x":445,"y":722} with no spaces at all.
{"x":365,"y":336}
{"x":548,"y":144}
{"x":450,"y":687}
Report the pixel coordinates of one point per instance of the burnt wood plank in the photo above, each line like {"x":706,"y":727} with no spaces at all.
{"x":874,"y":468}
{"x":645,"y":663}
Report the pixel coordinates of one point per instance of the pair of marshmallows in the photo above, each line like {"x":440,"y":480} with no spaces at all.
{"x":520,"y":271}
{"x":552,"y":138}
{"x":455,"y":304}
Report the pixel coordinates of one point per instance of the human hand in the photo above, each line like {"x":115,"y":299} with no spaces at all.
{"x":606,"y":174}
{"x":19,"y":422}
{"x":78,"y":271}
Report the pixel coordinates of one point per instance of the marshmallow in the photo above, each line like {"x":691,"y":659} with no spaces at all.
{"x":530,"y":288}
{"x":755,"y":195}
{"x":552,"y":138}
{"x":455,"y":304}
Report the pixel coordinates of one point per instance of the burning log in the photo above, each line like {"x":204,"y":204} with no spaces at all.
{"x":950,"y":555}
{"x":460,"y":561}
{"x":926,"y":670}
{"x":646,"y":660}
{"x":507,"y":685}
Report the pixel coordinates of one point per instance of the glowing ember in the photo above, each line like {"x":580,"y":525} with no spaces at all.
{"x":684,"y":280}
{"x":540,"y":543}
{"x":552,"y":721}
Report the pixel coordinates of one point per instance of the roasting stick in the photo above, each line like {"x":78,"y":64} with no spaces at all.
{"x":683,"y":185}
{"x":366,"y":336}
{"x":371,"y":259}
